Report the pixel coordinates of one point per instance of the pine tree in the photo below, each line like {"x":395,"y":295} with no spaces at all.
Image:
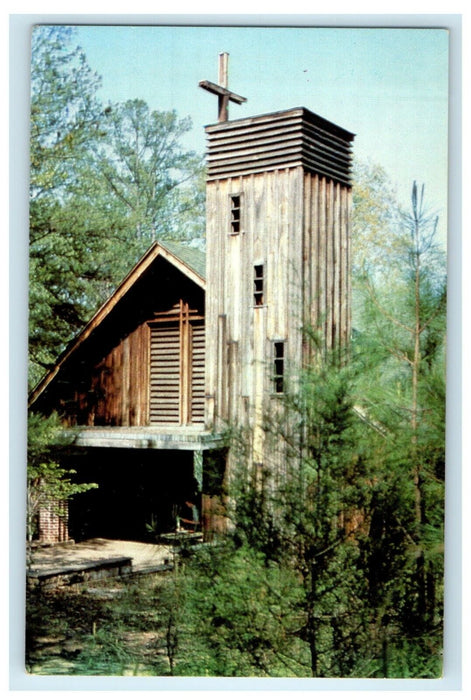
{"x":302,"y":516}
{"x":402,"y":345}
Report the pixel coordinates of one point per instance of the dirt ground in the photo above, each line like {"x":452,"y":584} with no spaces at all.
{"x":115,"y":625}
{"x":145,"y":557}
{"x":111,"y":626}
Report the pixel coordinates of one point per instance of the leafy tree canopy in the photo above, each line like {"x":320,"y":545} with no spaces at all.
{"x":106,"y":181}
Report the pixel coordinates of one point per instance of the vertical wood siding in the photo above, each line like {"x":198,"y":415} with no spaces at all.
{"x":119,"y":385}
{"x":296,"y":224}
{"x":271,"y":235}
{"x":153,"y":375}
{"x":197,"y":376}
{"x":327,"y":293}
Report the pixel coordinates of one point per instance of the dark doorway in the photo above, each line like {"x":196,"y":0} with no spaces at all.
{"x":139,"y":494}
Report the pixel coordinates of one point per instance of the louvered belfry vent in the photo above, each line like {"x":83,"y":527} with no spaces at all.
{"x":291,"y":138}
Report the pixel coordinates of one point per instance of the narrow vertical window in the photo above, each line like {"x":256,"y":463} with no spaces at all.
{"x":278,"y":366}
{"x":235,"y":213}
{"x":258,"y":285}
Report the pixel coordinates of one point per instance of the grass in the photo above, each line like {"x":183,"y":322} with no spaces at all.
{"x":113,"y":628}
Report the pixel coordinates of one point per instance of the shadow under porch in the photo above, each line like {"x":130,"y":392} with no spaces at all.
{"x":146,"y":477}
{"x":140,"y":492}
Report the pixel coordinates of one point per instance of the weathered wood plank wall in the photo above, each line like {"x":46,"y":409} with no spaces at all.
{"x":290,"y":172}
{"x":304,"y":254}
{"x":113,"y":378}
{"x":116,"y":390}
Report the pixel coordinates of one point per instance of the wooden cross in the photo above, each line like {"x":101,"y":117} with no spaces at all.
{"x":221,"y":90}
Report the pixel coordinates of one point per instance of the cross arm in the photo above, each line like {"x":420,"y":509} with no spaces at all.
{"x":221,"y":91}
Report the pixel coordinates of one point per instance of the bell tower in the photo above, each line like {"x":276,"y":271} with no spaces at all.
{"x":278,"y":218}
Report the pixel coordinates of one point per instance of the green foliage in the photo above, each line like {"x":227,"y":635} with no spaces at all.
{"x":144,"y":168}
{"x":64,"y":112}
{"x":64,"y":121}
{"x":105,"y":182}
{"x":402,"y":388}
{"x":294,"y":545}
{"x":376,"y":234}
{"x":48,"y":484}
{"x":357,"y":510}
{"x":334,"y":538}
{"x":240,"y":616}
{"x":323,"y":496}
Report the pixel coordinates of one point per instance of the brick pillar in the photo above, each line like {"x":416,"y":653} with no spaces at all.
{"x":53,"y":522}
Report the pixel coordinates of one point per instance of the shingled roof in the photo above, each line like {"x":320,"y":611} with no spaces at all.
{"x":192,"y":257}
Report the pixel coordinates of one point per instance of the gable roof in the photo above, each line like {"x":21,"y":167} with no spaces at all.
{"x":189,"y":261}
{"x":193,"y":258}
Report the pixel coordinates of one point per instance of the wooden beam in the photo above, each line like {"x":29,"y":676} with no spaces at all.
{"x":223,"y":69}
{"x":221,"y":91}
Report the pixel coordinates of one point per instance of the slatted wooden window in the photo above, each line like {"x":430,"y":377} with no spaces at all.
{"x":177,"y":367}
{"x":258,"y":285}
{"x":165,"y":374}
{"x":278,"y":366}
{"x":235,"y":213}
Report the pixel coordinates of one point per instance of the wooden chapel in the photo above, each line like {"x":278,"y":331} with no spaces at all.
{"x":186,"y":346}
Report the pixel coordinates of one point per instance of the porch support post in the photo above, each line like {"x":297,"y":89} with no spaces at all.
{"x":198,"y":468}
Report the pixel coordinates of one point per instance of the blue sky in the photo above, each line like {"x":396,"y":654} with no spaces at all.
{"x":388,"y":86}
